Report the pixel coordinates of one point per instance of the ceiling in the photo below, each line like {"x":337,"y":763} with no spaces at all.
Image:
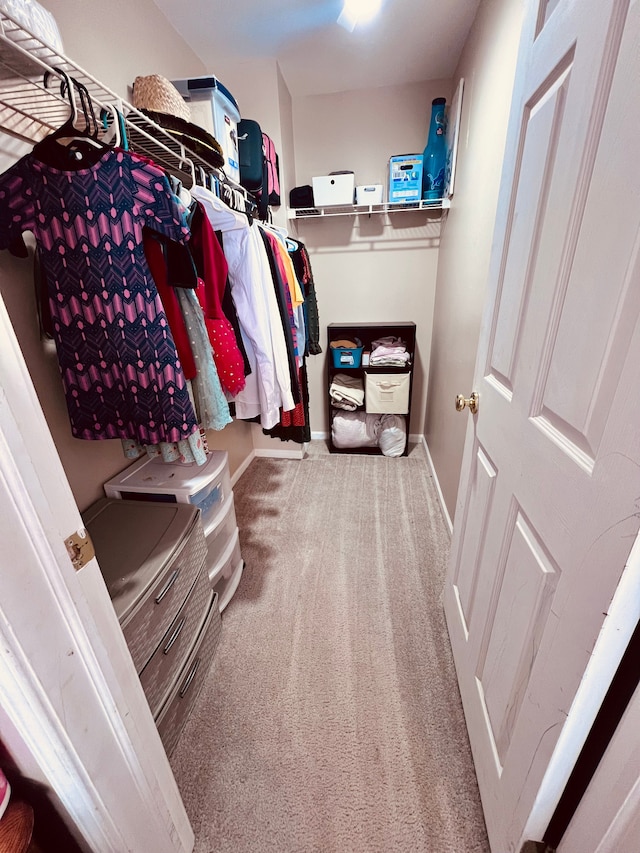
{"x":409,"y":41}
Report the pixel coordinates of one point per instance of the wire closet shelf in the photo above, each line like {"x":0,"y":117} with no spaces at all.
{"x":367,"y":209}
{"x":29,"y":110}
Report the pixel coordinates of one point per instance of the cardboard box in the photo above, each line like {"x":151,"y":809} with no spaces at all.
{"x":405,"y":178}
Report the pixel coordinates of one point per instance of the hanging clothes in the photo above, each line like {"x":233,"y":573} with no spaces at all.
{"x":157,"y":261}
{"x":295,"y":298}
{"x":296,"y":428}
{"x":231,"y":314}
{"x":293,"y":425}
{"x":211,"y":405}
{"x":268,"y":388}
{"x":283,"y":296}
{"x":213,"y":274}
{"x":120,"y":370}
{"x":302,"y":266}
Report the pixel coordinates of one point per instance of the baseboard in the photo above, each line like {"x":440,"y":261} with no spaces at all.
{"x":443,"y":506}
{"x":267,"y":453}
{"x":242,"y":468}
{"x":416,"y":438}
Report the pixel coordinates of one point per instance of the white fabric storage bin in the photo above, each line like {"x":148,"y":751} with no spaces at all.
{"x":387,"y":393}
{"x":330,"y":190}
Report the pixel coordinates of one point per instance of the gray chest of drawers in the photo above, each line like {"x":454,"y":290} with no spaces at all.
{"x":153,"y":560}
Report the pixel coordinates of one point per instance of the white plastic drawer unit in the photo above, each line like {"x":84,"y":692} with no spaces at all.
{"x":221,"y":532}
{"x":387,"y":393}
{"x":204,"y":486}
{"x":225,"y":576}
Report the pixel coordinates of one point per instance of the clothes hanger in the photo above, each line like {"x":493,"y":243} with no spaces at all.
{"x":276,"y":229}
{"x":114,"y":133}
{"x":191,"y":169}
{"x":69,"y":144}
{"x":92,"y":129}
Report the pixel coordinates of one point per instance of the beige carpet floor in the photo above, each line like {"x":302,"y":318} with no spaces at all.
{"x":331,"y":720}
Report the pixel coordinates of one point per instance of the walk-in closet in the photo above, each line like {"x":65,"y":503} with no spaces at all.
{"x":319,"y":495}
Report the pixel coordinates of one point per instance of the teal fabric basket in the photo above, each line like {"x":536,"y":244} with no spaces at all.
{"x":347,"y":357}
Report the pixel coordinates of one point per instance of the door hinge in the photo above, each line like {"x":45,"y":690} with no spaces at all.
{"x":536,"y":847}
{"x":80,"y":548}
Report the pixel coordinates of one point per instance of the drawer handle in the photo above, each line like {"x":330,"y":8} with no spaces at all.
{"x":189,"y":678}
{"x":174,"y":636}
{"x":168,"y":585}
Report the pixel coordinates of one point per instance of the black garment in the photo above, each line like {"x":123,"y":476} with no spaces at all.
{"x":302,"y":267}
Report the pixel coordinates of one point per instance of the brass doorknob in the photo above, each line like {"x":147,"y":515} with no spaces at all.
{"x":471,"y":402}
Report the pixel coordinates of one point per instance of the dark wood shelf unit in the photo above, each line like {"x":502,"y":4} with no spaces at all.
{"x":367,"y":333}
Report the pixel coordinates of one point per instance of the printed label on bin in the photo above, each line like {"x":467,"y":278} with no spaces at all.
{"x":346,"y":358}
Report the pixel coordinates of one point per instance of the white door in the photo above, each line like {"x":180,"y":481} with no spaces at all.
{"x":549,"y":495}
{"x":72,"y":712}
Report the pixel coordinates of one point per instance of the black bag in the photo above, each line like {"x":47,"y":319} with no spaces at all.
{"x":301,"y":196}
{"x":250,"y":154}
{"x":259,"y":165}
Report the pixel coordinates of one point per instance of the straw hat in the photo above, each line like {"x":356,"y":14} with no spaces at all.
{"x":159,"y":95}
{"x":159,"y":99}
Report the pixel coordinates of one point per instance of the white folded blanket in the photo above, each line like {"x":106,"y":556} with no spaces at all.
{"x":355,"y":429}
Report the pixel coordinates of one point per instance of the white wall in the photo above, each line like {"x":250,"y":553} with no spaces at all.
{"x":488,"y":66}
{"x":378,"y":268}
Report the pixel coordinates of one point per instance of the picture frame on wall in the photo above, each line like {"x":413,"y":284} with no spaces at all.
{"x":453,"y":134}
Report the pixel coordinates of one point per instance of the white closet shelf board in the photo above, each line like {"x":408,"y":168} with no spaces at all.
{"x":29,"y":110}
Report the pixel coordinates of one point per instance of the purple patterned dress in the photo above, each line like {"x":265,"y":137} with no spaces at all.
{"x":119,"y":365}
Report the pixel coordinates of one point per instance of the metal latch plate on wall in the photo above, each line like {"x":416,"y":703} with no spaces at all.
{"x":80,"y":548}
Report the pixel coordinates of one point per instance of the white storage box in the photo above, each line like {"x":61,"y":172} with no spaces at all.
{"x":387,"y":393}
{"x":214,"y":108}
{"x":330,"y":190}
{"x":203,"y":486}
{"x":369,"y":194}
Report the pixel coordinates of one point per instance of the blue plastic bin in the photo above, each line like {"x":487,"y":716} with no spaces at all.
{"x":346,"y":356}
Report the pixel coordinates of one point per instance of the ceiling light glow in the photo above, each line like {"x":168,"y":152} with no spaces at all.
{"x":358,"y":12}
